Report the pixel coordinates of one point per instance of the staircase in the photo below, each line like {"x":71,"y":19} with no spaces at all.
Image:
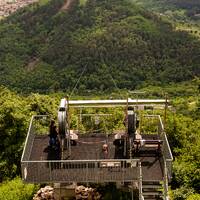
{"x":152,"y":190}
{"x":150,"y":154}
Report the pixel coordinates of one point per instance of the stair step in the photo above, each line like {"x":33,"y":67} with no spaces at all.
{"x":152,"y":186}
{"x":150,"y":198}
{"x":155,"y":193}
{"x":151,"y":182}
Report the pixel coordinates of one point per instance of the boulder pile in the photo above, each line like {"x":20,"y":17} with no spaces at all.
{"x":7,"y":7}
{"x":81,"y":193}
{"x":46,"y":193}
{"x":86,"y":193}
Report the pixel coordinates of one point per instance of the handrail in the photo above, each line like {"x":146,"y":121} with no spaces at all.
{"x":74,"y":161}
{"x":161,"y":123}
{"x":166,"y":191}
{"x":29,"y":133}
{"x":25,"y":144}
{"x":167,"y":156}
{"x":105,"y":170}
{"x":168,"y":147}
{"x":140,"y":181}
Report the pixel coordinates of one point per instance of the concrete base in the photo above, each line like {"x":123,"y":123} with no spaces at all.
{"x":63,"y":191}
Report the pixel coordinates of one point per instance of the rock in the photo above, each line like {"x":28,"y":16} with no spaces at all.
{"x":86,"y":193}
{"x":82,"y":192}
{"x":46,"y":193}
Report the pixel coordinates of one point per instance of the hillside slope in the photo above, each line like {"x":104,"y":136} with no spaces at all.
{"x":179,"y":8}
{"x":45,"y":48}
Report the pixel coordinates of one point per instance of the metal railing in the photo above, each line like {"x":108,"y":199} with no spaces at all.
{"x":42,"y":171}
{"x":167,"y":154}
{"x":140,"y":182}
{"x":165,"y":183}
{"x":80,"y":171}
{"x":167,"y":158}
{"x":151,"y":124}
{"x":166,"y":150}
{"x":38,"y":125}
{"x":167,"y":165}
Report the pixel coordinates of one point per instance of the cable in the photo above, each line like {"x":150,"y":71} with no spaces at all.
{"x":114,"y":82}
{"x":78,"y":80}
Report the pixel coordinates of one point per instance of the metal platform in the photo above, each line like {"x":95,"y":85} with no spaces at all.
{"x":146,"y":159}
{"x":40,"y":163}
{"x":86,"y":165}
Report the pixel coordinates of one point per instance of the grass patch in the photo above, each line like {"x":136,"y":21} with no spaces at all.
{"x":82,"y":2}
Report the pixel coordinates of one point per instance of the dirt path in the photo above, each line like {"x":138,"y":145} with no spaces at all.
{"x":32,"y":64}
{"x":66,"y":5}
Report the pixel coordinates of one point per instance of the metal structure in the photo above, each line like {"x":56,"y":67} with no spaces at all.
{"x":139,"y":160}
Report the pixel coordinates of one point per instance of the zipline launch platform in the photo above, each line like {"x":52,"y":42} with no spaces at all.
{"x":99,"y":141}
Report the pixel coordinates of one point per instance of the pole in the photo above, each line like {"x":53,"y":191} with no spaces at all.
{"x":165,"y":114}
{"x":132,"y":192}
{"x":68,"y":122}
{"x":126,"y":133}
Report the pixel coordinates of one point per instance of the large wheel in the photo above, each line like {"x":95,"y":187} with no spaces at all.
{"x":131,"y":123}
{"x":62,"y":123}
{"x":62,"y":119}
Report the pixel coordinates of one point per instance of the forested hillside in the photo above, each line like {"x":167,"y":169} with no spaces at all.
{"x":179,"y":8}
{"x":192,"y":6}
{"x":113,"y":43}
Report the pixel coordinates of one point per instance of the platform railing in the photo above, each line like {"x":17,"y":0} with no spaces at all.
{"x":80,"y":171}
{"x":167,"y":165}
{"x":32,"y":131}
{"x":42,"y":171}
{"x":167,"y":158}
{"x":153,"y":124}
{"x":116,"y":170}
{"x":141,"y":197}
{"x":28,"y":142}
{"x":166,"y":150}
{"x":167,"y":155}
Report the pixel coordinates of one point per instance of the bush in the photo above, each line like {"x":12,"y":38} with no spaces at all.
{"x":17,"y":190}
{"x":194,"y":197}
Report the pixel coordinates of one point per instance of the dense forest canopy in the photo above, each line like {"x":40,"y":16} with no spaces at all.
{"x":180,"y":8}
{"x":186,"y":4}
{"x":43,"y":48}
